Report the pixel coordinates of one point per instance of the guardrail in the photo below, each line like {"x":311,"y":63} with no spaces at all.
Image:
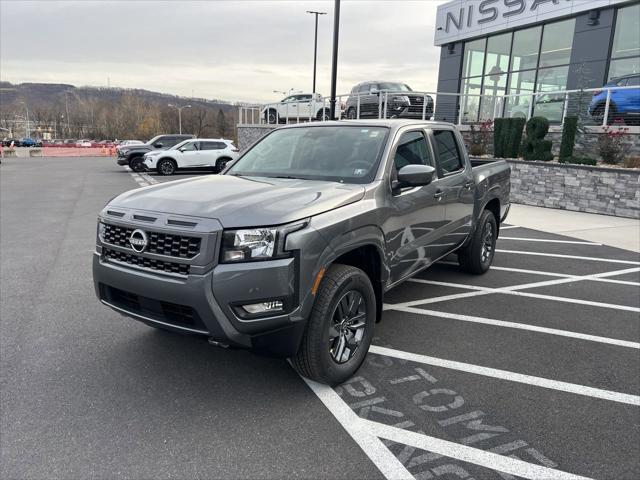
{"x":595,"y":106}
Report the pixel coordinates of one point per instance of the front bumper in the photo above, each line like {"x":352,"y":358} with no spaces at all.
{"x":122,"y":161}
{"x":207,"y":301}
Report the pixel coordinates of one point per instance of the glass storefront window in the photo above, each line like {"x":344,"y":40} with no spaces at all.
{"x":526,"y":44}
{"x":493,"y":90}
{"x":624,"y":66}
{"x":497,"y":58}
{"x":473,"y":58}
{"x":557,"y":40}
{"x":626,"y":39}
{"x":470,"y":99}
{"x":520,"y":83}
{"x":550,"y":105}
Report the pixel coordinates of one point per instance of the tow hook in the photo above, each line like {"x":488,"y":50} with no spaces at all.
{"x":215,"y":343}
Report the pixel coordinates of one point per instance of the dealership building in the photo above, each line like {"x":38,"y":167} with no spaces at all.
{"x":493,"y":48}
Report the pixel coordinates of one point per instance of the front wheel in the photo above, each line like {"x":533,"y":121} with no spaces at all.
{"x":167,"y":167}
{"x":340,"y":328}
{"x":477,"y":255}
{"x":136,"y":164}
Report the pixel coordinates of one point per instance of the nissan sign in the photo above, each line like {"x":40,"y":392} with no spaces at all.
{"x":461,"y":19}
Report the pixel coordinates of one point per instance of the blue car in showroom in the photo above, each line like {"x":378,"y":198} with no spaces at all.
{"x":624,"y":103}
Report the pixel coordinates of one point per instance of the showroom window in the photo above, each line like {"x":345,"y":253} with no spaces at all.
{"x":625,"y":51}
{"x":526,"y":61}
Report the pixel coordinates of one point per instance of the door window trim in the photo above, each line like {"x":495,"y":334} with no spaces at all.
{"x":392,"y":157}
{"x":432,"y":137}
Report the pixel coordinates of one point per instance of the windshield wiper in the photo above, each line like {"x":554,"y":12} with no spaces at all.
{"x":288,"y":177}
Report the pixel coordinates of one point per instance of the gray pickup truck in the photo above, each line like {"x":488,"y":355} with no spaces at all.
{"x":290,"y":250}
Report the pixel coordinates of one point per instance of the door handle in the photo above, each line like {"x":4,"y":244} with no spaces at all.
{"x":468,"y":185}
{"x":439,"y":194}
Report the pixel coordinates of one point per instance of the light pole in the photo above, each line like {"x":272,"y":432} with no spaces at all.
{"x":179,"y":114}
{"x":334,"y":57}
{"x":27,"y":119}
{"x":315,"y":48}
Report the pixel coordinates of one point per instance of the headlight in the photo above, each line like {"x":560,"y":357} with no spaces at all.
{"x":402,"y":99}
{"x":256,"y":243}
{"x":246,"y":245}
{"x":101,"y":231}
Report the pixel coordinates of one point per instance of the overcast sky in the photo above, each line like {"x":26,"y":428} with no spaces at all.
{"x":233,"y":50}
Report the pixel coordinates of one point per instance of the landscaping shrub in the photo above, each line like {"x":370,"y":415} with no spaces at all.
{"x":578,"y":160}
{"x":611,"y":144}
{"x":535,"y":147}
{"x":507,"y":135}
{"x":569,"y":130}
{"x":514,"y":137}
{"x":499,"y":125}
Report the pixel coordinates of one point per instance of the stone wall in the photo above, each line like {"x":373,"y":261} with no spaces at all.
{"x":249,"y":134}
{"x":609,"y":191}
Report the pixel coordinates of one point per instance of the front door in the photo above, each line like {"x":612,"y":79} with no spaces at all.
{"x":414,"y":227}
{"x":190,"y":155}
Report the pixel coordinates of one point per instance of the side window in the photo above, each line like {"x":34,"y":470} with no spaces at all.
{"x":448,"y":156}
{"x":633,"y":81}
{"x":289,"y":99}
{"x":304,"y":98}
{"x":412,"y":149}
{"x":190,"y":147}
{"x":212,"y":146}
{"x":365,"y":88}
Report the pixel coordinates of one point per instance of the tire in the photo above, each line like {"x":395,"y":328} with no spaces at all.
{"x":271,"y":116}
{"x":167,"y":166}
{"x":351,"y":113}
{"x":136,"y":164}
{"x":221,"y":163}
{"x":323,"y":114}
{"x":477,"y":255}
{"x":324,"y":354}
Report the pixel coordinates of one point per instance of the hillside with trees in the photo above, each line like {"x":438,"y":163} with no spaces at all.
{"x":66,"y":111}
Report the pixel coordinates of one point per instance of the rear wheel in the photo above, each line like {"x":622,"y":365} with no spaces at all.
{"x":477,"y":255}
{"x":271,"y":116}
{"x":340,"y":328}
{"x":166,"y":166}
{"x":323,"y":114}
{"x":221,"y":163}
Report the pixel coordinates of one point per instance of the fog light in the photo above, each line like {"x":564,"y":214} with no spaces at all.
{"x":273,"y":306}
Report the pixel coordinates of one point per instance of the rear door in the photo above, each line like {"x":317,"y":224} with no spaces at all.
{"x":457,"y":184}
{"x":413,"y":230}
{"x":211,"y":151}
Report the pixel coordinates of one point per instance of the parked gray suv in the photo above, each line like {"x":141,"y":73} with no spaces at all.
{"x":290,"y":250}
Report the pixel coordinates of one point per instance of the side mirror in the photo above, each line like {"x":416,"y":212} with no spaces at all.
{"x":415,"y":175}
{"x":374,"y":91}
{"x":158,"y":145}
{"x":181,"y":149}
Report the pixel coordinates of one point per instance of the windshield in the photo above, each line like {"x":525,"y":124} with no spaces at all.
{"x":346,"y":154}
{"x":394,"y":87}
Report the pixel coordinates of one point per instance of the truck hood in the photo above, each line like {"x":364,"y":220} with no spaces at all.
{"x":242,"y":201}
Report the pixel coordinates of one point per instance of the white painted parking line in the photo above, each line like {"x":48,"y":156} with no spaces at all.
{"x":141,"y":178}
{"x":367,"y":435}
{"x":574,"y":242}
{"x":494,"y":461}
{"x":573,"y":257}
{"x":514,"y":290}
{"x":370,"y":444}
{"x":519,"y":326}
{"x":508,"y":227}
{"x":510,"y":376}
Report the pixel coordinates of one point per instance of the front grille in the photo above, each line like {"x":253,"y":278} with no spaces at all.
{"x":172,"y":313}
{"x":144,"y":262}
{"x":417,"y":101}
{"x":179,"y":246}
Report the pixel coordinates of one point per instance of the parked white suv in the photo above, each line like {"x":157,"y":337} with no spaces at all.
{"x":213,"y":153}
{"x":298,"y":107}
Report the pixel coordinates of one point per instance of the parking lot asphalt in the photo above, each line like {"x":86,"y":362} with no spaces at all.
{"x":529,"y":371}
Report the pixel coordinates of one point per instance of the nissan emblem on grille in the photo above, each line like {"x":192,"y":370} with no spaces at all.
{"x":138,"y":240}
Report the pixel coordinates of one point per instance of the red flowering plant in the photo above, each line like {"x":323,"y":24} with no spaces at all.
{"x":480,"y":137}
{"x":611,"y":143}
